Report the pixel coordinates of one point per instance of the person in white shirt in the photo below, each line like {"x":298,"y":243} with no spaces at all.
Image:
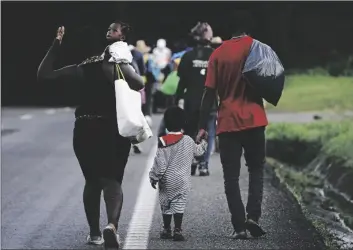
{"x":161,"y":54}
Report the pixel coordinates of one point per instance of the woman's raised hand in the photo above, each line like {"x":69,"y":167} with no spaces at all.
{"x":60,"y":33}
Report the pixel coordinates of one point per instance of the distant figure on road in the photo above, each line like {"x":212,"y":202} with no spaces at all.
{"x":149,"y":79}
{"x":161,"y":54}
{"x":171,"y":170}
{"x":159,"y":66}
{"x":241,"y":125}
{"x":140,"y":67}
{"x":101,"y":151}
{"x":192,"y":72}
{"x":137,"y":59}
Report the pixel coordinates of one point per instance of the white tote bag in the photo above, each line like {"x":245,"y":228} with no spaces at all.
{"x":131,"y":121}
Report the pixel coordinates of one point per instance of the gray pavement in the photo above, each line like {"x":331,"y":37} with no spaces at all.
{"x":42,"y":184}
{"x":207,"y":220}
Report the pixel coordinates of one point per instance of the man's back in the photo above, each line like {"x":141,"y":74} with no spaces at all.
{"x":240,"y":106}
{"x":192,"y":71}
{"x":241,"y":128}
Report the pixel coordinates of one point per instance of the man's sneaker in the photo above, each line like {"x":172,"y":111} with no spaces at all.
{"x":118,"y":239}
{"x":177,"y":236}
{"x":242,"y":235}
{"x":111,"y":238}
{"x":94,"y":240}
{"x":166,"y":233}
{"x":203,"y":169}
{"x":204,"y":172}
{"x":254,"y":228}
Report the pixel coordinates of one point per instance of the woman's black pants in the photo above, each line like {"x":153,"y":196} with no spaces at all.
{"x":102,"y":154}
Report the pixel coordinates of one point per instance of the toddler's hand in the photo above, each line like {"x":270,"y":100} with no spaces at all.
{"x":202,"y":135}
{"x":153,"y":183}
{"x":205,"y":137}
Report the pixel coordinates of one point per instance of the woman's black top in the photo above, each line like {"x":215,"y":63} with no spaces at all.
{"x":96,"y":92}
{"x":95,"y":78}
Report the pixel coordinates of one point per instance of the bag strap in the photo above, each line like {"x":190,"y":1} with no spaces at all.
{"x":119,"y":72}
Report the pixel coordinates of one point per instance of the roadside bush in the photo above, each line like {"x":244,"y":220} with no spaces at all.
{"x":323,"y":148}
{"x":341,"y":66}
{"x":315,"y":159}
{"x":318,"y":71}
{"x":338,"y":66}
{"x":334,"y":139}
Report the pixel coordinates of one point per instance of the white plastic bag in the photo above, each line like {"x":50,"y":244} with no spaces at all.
{"x":131,"y":121}
{"x":119,"y":52}
{"x":265,"y":72}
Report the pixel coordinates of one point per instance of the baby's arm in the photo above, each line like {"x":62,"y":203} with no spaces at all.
{"x":201,"y":148}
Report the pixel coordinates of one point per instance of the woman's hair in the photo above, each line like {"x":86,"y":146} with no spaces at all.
{"x":125,"y":28}
{"x":174,"y":119}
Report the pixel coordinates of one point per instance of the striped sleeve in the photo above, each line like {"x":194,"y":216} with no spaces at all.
{"x":159,"y":165}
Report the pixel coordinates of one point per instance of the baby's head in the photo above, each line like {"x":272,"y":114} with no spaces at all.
{"x":174,"y":119}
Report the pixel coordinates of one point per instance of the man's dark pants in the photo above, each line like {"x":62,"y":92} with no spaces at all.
{"x":231,"y":147}
{"x":147,"y":107}
{"x":192,"y":122}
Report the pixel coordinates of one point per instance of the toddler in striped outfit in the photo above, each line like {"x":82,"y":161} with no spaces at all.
{"x":171,"y":170}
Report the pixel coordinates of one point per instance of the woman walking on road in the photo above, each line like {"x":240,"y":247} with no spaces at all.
{"x":101,"y":151}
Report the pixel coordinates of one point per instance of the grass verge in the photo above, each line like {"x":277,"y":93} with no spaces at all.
{"x":293,"y":182}
{"x":334,"y":139}
{"x":316,"y":92}
{"x":311,"y":159}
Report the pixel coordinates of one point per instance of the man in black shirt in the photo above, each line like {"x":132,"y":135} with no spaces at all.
{"x":192,"y":72}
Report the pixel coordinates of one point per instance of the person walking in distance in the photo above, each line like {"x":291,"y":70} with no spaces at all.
{"x":149,"y":79}
{"x":140,"y":68}
{"x":192,"y":72}
{"x":101,"y":151}
{"x":241,"y":126}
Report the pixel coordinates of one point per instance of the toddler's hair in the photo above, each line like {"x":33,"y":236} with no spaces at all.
{"x":174,"y":119}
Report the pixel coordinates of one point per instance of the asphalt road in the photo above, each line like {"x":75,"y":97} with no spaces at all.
{"x":42,"y":184}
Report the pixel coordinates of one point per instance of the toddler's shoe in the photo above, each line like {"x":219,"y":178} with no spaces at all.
{"x":178,"y":235}
{"x":166,"y":233}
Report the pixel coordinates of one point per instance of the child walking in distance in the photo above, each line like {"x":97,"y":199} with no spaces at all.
{"x":171,"y":170}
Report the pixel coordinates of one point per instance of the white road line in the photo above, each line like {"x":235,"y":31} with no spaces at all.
{"x":26,"y":117}
{"x":140,"y":224}
{"x":50,"y":111}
